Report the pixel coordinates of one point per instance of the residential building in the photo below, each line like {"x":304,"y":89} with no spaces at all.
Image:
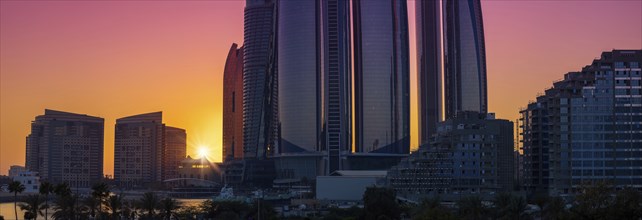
{"x":429,"y":67}
{"x":66,"y":147}
{"x":382,"y":76}
{"x":138,"y":149}
{"x":587,"y":128}
{"x":471,"y":153}
{"x":233,"y":105}
{"x":30,"y":180}
{"x":464,"y":57}
{"x":174,"y":152}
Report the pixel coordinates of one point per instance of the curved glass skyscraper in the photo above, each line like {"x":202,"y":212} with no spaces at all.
{"x":258,"y":36}
{"x":300,"y":100}
{"x":465,"y":57}
{"x":382,"y":76}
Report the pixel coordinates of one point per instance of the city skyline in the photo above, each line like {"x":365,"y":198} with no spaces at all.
{"x":123,"y":92}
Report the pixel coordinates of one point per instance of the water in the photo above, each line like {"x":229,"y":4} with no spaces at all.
{"x":6,"y":208}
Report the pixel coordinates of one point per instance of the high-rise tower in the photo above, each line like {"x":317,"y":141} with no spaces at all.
{"x":428,"y":35}
{"x":233,"y":105}
{"x":465,"y":57}
{"x":382,"y":76}
{"x":257,"y":88}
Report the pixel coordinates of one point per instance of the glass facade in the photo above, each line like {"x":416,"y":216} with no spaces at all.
{"x":299,"y":76}
{"x":382,"y":84}
{"x":586,"y":128}
{"x":606,"y":125}
{"x":465,"y":57}
{"x":428,"y":26}
{"x":258,"y":37}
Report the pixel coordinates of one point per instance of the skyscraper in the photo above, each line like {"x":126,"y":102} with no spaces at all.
{"x":428,"y":35}
{"x":337,"y":81}
{"x":382,"y":76}
{"x":174,"y":152}
{"x":233,"y":105}
{"x":257,"y":88}
{"x":66,"y":147}
{"x":300,"y":77}
{"x":465,"y":57}
{"x":314,"y":79}
{"x":138,"y":149}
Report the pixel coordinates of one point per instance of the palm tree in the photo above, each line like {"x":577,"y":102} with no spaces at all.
{"x":168,"y":206}
{"x":33,"y":206}
{"x":91,"y":204}
{"x":66,"y":206}
{"x":502,"y":203}
{"x":100,"y":191}
{"x":46,"y":188}
{"x":148,"y":203}
{"x":16,"y":187}
{"x":115,"y":204}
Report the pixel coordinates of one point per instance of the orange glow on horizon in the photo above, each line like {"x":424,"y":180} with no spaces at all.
{"x":113,"y":59}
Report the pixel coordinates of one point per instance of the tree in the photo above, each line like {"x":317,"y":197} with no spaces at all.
{"x":46,"y":188}
{"x":16,"y":187}
{"x":100,"y":191}
{"x":91,"y":205}
{"x":148,"y":203}
{"x":555,"y":209}
{"x":594,"y":201}
{"x":380,"y":203}
{"x":168,"y":206}
{"x":431,"y":209}
{"x":66,"y":206}
{"x":263,"y":210}
{"x":32,"y":205}
{"x":516,"y":209}
{"x":224,"y":209}
{"x":626,"y":205}
{"x":501,"y":204}
{"x":115,"y":204}
{"x":471,"y":208}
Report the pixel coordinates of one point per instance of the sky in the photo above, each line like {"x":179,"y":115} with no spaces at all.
{"x":119,"y":58}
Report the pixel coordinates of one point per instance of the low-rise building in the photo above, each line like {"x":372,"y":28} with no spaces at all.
{"x":15,"y":170}
{"x":348,"y":185}
{"x":29,"y":179}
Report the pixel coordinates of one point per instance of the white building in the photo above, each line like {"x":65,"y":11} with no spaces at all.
{"x":31,"y":181}
{"x":348,"y":185}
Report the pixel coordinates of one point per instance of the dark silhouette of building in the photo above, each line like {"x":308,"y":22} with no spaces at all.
{"x":66,"y":147}
{"x":233,"y":105}
{"x":382,"y":76}
{"x":429,"y":89}
{"x":146,"y":151}
{"x":174,"y":152}
{"x":464,"y":57}
{"x":138,"y":149}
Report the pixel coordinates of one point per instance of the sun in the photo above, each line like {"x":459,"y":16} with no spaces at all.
{"x":203,"y":151}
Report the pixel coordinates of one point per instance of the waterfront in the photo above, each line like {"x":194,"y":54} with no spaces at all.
{"x":6,"y":208}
